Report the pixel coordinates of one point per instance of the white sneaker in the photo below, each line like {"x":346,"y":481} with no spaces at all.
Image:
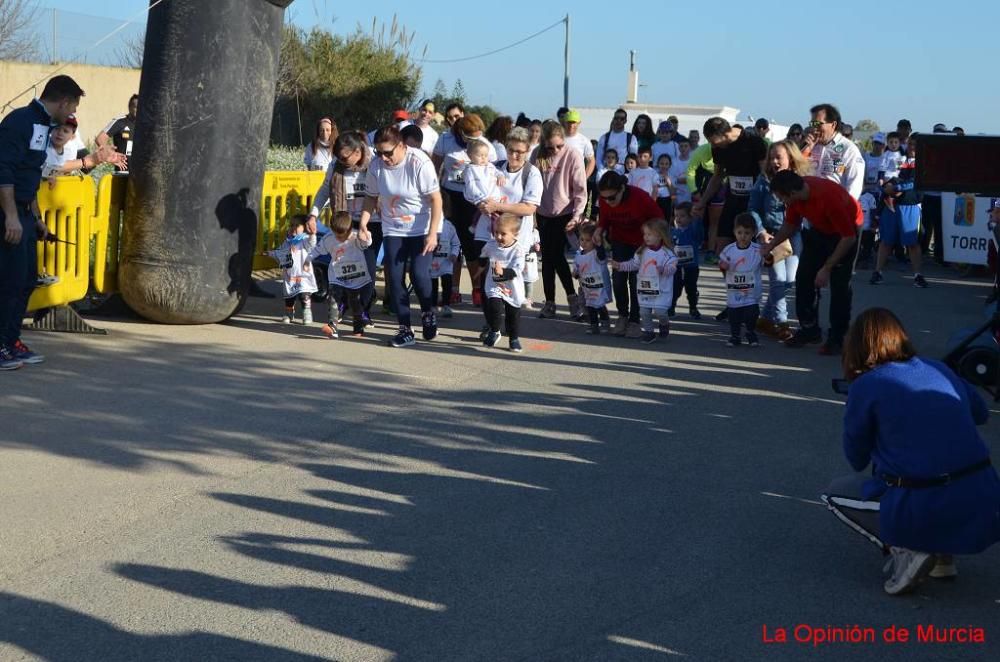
{"x":908,"y":569}
{"x":944,"y":567}
{"x":307,"y":316}
{"x":620,"y":325}
{"x":286,"y":318}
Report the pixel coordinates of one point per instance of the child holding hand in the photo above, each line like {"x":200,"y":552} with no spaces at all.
{"x":741,"y":262}
{"x":298,"y":277}
{"x":590,"y":266}
{"x":655,"y":263}
{"x":351,"y":286}
{"x":504,"y":287}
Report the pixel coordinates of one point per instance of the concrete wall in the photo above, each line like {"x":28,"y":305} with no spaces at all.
{"x":107,"y":90}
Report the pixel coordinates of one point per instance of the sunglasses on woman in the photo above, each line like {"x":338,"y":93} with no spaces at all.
{"x":387,"y":154}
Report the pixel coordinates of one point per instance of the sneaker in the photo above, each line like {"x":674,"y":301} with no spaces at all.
{"x":908,"y":569}
{"x":620,"y":326}
{"x":515,"y":346}
{"x":575,"y":306}
{"x":733,"y":342}
{"x":548,"y":310}
{"x":594,"y":330}
{"x":671,"y":312}
{"x":528,"y":304}
{"x":804,"y":337}
{"x":287,"y":318}
{"x":606,"y":325}
{"x":483,"y":332}
{"x":723,"y":316}
{"x":340,"y":313}
{"x":491,"y":339}
{"x":695,"y":315}
{"x":429,"y":324}
{"x":752,"y":340}
{"x":647,"y":337}
{"x":23,"y":354}
{"x":944,"y":567}
{"x":358,"y":327}
{"x":8,"y":360}
{"x":633,"y":330}
{"x":918,"y":281}
{"x":366,"y":318}
{"x":330,"y":330}
{"x":664,"y":330}
{"x":456,"y":298}
{"x":307,"y":316}
{"x":876,"y":278}
{"x":404,"y":338}
{"x":831,"y":348}
{"x":447,"y":312}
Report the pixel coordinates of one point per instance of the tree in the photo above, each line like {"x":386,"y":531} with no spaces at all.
{"x":458,"y":92}
{"x":130,"y":52}
{"x":357,"y":79}
{"x":440,"y":96}
{"x":866,"y":126}
{"x":17,"y":38}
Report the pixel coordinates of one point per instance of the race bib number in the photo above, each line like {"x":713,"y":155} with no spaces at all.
{"x":351,"y":270}
{"x":530,"y":258}
{"x":741,"y":281}
{"x":592,"y":281}
{"x":685,"y":254}
{"x":649,"y":288}
{"x":440,"y":255}
{"x":741,"y":185}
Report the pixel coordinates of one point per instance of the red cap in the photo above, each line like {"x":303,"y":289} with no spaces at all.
{"x":71,"y":121}
{"x":398,"y":115}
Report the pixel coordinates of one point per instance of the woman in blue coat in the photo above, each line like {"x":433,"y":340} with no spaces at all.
{"x":914,"y":421}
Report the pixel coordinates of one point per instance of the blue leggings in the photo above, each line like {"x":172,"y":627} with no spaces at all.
{"x":401,"y":252}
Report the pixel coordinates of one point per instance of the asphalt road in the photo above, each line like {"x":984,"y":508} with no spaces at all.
{"x":253,"y":491}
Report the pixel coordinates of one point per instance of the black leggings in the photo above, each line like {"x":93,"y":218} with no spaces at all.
{"x":496,"y":308}
{"x":446,"y":285}
{"x":686,"y":280}
{"x":625,"y":283}
{"x":552,"y":232}
{"x":463,"y":217}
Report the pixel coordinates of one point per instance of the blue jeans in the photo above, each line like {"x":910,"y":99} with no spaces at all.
{"x":18,"y":276}
{"x":400,"y":253}
{"x":780,"y":279}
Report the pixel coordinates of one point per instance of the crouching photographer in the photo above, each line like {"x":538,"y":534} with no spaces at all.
{"x":932,"y":491}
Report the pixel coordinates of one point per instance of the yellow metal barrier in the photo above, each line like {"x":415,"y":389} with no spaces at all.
{"x":284,"y":194}
{"x":73,"y":213}
{"x":107,"y":227}
{"x":68,"y":211}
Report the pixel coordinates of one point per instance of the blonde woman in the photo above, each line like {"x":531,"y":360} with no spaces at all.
{"x":770,"y":213}
{"x":561,"y":209}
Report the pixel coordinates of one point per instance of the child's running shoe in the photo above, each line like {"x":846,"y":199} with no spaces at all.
{"x":330,"y":330}
{"x":647,"y":337}
{"x":593,"y":330}
{"x":695,"y":315}
{"x":428,"y":322}
{"x":492,"y":338}
{"x":664,"y":330}
{"x":919,"y":281}
{"x":287,"y":317}
{"x":606,"y":325}
{"x":8,"y":360}
{"x":515,"y":346}
{"x":876,"y":278}
{"x":447,"y":312}
{"x":733,"y":342}
{"x":358,"y":327}
{"x":752,"y":340}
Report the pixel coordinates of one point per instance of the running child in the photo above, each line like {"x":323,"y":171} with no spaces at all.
{"x":351,"y":286}
{"x":504,"y":287}
{"x":442,"y":266}
{"x":655,"y":263}
{"x":297,"y":274}
{"x":741,"y":263}
{"x":687,"y":235}
{"x":590,"y":266}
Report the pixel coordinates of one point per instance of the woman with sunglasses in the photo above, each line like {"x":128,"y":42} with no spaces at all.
{"x":402,"y":182}
{"x":795,"y":135}
{"x":561,"y":209}
{"x":623,"y":210}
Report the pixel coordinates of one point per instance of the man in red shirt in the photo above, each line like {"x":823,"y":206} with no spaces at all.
{"x":829,"y":248}
{"x":623,"y":210}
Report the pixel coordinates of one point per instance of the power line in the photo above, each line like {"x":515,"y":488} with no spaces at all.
{"x":80,"y":55}
{"x":493,"y":52}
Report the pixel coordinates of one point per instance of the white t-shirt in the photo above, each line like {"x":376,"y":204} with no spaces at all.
{"x":868,"y":204}
{"x":514,"y":189}
{"x":455,"y":159}
{"x":348,"y":267}
{"x":669,"y":148}
{"x":510,"y":257}
{"x":619,"y":168}
{"x":644,"y":178}
{"x":401,"y":192}
{"x":54,"y":160}
{"x":430,"y":139}
{"x":595,"y":280}
{"x":298,"y":276}
{"x":655,"y":282}
{"x":873,"y":164}
{"x":355,"y":182}
{"x":839,"y":161}
{"x":319,"y":159}
{"x":616,"y":141}
{"x":582,"y":144}
{"x":480,"y":182}
{"x":678,"y":171}
{"x":662,"y":184}
{"x":890,"y":164}
{"x":743,"y":282}
{"x":448,"y":248}
{"x":500,"y":149}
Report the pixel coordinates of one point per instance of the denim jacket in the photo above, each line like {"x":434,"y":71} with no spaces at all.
{"x":769,"y":210}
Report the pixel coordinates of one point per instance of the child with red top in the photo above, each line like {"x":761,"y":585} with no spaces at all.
{"x":829,"y":248}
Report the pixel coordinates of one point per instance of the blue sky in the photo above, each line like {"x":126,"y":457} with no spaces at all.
{"x":927,"y":61}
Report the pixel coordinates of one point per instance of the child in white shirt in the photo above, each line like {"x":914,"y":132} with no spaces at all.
{"x":741,"y":262}
{"x":351,"y":286}
{"x":656,"y":264}
{"x":531,"y":262}
{"x":665,"y":190}
{"x":892,"y":158}
{"x":610,"y":163}
{"x":643,"y":175}
{"x":504,"y":287}
{"x":443,"y":265}
{"x":480,"y":176}
{"x":299,"y":279}
{"x":590,"y":266}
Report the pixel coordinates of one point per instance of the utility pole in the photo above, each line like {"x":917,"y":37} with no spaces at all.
{"x":566,"y":68}
{"x":55,"y":37}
